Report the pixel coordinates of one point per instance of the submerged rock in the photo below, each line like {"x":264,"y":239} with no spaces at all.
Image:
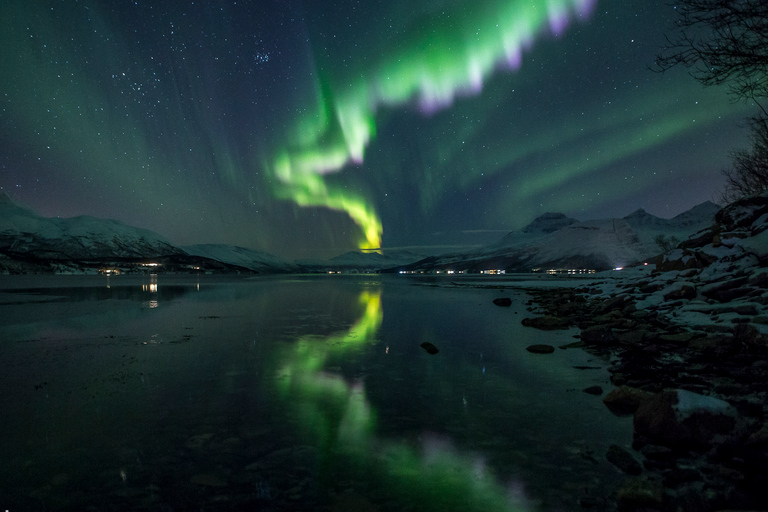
{"x":545,"y":323}
{"x":540,"y":349}
{"x":623,"y":460}
{"x":594,"y":390}
{"x":429,"y":347}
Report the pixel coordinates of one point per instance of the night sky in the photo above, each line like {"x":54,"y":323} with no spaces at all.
{"x":309,"y":128}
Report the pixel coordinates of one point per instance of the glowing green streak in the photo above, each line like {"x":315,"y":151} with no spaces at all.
{"x":341,"y":419}
{"x":435,"y":61}
{"x":622,"y":140}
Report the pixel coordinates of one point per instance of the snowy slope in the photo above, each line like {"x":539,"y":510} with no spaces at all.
{"x":554,"y":240}
{"x":369,"y":261}
{"x":648,"y":226}
{"x":539,"y":228}
{"x":241,"y":256}
{"x":22,"y":231}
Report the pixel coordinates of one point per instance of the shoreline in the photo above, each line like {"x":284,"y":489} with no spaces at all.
{"x":707,"y":457}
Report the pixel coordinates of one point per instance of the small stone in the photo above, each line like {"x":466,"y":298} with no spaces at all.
{"x":575,"y":344}
{"x":430,"y":348}
{"x":504,"y":302}
{"x":540,"y":349}
{"x":623,"y":460}
{"x":593,"y":390}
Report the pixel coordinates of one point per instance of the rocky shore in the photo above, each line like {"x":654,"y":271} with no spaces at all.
{"x":689,"y":343}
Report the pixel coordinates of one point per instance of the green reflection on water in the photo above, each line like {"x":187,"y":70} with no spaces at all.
{"x":339,"y":419}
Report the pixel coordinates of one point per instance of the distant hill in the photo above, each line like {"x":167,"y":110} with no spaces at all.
{"x":247,"y":258}
{"x":554,"y":240}
{"x":30,"y":242}
{"x":24,"y":232}
{"x":362,"y":261}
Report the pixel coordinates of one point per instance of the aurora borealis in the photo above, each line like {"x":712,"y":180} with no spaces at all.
{"x":312,"y":128}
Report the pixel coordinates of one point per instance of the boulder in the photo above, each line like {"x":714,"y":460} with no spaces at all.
{"x":598,"y":335}
{"x":545,"y":323}
{"x":682,"y":259}
{"x":727,"y":290}
{"x":681,"y":419}
{"x":759,"y":440}
{"x":683,"y":292}
{"x":742,"y":213}
{"x":614,"y":303}
{"x":680,"y":338}
{"x":748,"y":335}
{"x":625,"y":399}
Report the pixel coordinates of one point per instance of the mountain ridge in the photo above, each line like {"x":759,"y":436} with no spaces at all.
{"x":550,"y":240}
{"x":593,"y":244}
{"x":30,"y":242}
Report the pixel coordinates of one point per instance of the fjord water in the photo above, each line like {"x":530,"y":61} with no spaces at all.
{"x":292,"y":393}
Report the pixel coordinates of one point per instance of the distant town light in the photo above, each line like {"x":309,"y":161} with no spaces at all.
{"x":569,"y":271}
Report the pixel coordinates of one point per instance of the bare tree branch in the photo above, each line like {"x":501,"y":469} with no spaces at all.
{"x":725,"y":42}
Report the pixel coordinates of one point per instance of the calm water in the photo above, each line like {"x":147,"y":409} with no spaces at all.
{"x":291,"y":393}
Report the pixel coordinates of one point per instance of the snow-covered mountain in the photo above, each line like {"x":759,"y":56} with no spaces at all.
{"x":242,"y":257}
{"x":540,"y":227}
{"x":30,"y":242}
{"x":554,"y":240}
{"x":680,"y":227}
{"x":25,"y":232}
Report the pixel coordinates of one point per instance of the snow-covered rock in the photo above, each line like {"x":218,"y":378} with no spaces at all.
{"x":680,"y":419}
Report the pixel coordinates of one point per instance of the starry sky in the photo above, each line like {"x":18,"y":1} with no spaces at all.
{"x":310,"y":128}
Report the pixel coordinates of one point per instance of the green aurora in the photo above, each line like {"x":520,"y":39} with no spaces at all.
{"x":439,"y":57}
{"x":304,"y":128}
